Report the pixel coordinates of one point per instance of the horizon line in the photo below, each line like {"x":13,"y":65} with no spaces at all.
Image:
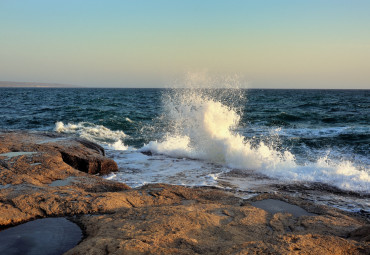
{"x":15,"y":84}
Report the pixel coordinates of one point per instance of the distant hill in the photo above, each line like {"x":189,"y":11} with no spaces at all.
{"x":12,"y":84}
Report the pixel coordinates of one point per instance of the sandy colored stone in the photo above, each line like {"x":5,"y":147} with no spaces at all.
{"x":29,"y":165}
{"x":78,"y":153}
{"x":211,"y":227}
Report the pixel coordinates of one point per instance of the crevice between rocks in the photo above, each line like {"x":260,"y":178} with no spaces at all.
{"x":90,"y":165}
{"x":92,"y":146}
{"x":4,"y":164}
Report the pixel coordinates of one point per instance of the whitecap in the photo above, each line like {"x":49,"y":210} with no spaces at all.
{"x":96,"y":133}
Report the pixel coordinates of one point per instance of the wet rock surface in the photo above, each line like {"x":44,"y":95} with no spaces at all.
{"x":158,"y":218}
{"x":274,"y":206}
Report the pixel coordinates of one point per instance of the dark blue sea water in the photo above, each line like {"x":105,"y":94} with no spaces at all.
{"x":219,"y":137}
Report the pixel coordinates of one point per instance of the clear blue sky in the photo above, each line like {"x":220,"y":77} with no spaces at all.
{"x":276,"y":44}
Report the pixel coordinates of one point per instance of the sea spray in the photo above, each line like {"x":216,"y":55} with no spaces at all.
{"x":95,"y":133}
{"x":203,"y":126}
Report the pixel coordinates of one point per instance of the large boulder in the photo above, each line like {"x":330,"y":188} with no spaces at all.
{"x":47,"y":174}
{"x":81,"y":154}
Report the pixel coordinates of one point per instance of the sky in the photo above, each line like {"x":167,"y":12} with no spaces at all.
{"x":136,"y":43}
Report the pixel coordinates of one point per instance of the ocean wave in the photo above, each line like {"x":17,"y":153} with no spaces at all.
{"x":96,"y":133}
{"x":202,"y":129}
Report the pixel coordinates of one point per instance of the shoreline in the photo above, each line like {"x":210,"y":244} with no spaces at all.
{"x":56,"y":176}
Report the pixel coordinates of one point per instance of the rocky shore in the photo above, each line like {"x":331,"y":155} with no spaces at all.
{"x":51,"y":175}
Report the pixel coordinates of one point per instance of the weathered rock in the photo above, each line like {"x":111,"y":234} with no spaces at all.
{"x":212,"y":222}
{"x":81,"y":154}
{"x":38,"y":181}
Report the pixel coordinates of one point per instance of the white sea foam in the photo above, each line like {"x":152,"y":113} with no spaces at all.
{"x":203,"y":129}
{"x":128,"y":119}
{"x":322,"y":132}
{"x":136,"y":169}
{"x":96,"y":133}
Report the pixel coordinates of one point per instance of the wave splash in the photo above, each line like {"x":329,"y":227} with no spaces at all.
{"x":95,"y":133}
{"x":203,"y":127}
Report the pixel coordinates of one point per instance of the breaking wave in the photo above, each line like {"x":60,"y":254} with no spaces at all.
{"x":96,"y":133}
{"x":203,"y":127}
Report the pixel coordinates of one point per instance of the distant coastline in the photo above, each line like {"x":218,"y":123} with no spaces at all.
{"x":12,"y":84}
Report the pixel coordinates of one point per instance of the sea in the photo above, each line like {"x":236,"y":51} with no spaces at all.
{"x":313,"y":144}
